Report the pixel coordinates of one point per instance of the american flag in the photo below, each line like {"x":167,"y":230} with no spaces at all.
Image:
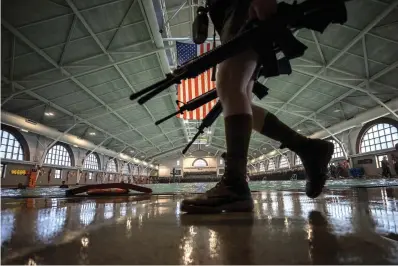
{"x":191,"y":88}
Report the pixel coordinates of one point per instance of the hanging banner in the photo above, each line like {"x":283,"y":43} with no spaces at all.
{"x":33,"y":178}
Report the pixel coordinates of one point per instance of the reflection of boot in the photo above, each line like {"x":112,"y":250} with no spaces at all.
{"x":230,"y":236}
{"x":323,"y":245}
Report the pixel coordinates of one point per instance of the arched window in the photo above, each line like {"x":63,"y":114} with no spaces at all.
{"x":271,"y":165}
{"x":126,"y":169}
{"x":199,"y":163}
{"x":283,"y":162}
{"x":379,"y":137}
{"x":10,"y":146}
{"x":338,"y":150}
{"x":58,"y":155}
{"x":92,"y":162}
{"x":111,"y":166}
{"x":262,"y":167}
{"x":297,"y":160}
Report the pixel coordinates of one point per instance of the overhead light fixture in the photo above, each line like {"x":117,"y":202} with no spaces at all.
{"x":207,"y":145}
{"x":337,"y":110}
{"x":131,"y":151}
{"x":92,"y":133}
{"x":142,"y":156}
{"x":298,"y":130}
{"x":49,"y":113}
{"x":75,"y":146}
{"x":24,"y":130}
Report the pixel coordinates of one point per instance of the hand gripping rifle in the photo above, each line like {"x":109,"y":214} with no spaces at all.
{"x":277,"y":30}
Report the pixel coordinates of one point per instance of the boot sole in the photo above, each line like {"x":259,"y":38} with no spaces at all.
{"x":322,"y":177}
{"x":236,"y":206}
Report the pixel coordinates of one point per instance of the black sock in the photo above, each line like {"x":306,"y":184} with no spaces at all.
{"x":238,"y":130}
{"x":275,"y":129}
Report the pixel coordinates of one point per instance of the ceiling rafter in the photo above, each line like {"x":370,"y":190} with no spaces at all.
{"x":14,"y":31}
{"x":360,"y":35}
{"x":66,"y":112}
{"x":104,"y":50}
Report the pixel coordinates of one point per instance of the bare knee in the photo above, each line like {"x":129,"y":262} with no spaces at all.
{"x":233,"y":78}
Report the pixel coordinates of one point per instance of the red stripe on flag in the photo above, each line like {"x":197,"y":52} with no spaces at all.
{"x":193,"y":88}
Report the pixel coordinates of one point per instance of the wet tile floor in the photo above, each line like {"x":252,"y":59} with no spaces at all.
{"x":341,"y":227}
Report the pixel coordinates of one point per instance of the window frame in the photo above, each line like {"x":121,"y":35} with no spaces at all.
{"x":206,"y":164}
{"x":128,"y":169}
{"x":338,"y":149}
{"x":114,"y":163}
{"x":58,"y":156}
{"x":59,"y":171}
{"x":280,"y":161}
{"x":12,"y":146}
{"x":90,"y":175}
{"x":273,"y":163}
{"x":296,"y":159}
{"x":91,"y":163}
{"x":375,"y":138}
{"x":367,"y":126}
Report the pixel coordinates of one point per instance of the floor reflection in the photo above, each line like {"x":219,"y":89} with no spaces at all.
{"x":349,"y":227}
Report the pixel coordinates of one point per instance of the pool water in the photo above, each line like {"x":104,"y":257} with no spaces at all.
{"x":202,"y":187}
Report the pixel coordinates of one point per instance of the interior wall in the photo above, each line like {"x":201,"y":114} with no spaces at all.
{"x":349,"y":142}
{"x":37,"y":146}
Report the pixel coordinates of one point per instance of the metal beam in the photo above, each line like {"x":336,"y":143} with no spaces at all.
{"x":61,"y":58}
{"x":12,"y":65}
{"x":357,"y":88}
{"x":64,"y":111}
{"x":318,"y":47}
{"x":152,"y":24}
{"x":93,"y":150}
{"x":53,"y":143}
{"x":103,"y":49}
{"x":66,"y":73}
{"x":373,"y":23}
{"x":105,"y":66}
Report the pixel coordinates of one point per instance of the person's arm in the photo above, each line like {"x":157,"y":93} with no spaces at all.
{"x":262,"y":9}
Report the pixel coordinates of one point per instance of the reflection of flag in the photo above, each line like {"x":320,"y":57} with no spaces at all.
{"x":191,"y":88}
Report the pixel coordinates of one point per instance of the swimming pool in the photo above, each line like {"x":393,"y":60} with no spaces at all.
{"x":202,"y":187}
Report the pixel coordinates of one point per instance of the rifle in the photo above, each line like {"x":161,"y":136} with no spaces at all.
{"x":312,"y":14}
{"x":258,"y":89}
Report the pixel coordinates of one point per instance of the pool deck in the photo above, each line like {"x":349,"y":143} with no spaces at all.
{"x":357,"y":226}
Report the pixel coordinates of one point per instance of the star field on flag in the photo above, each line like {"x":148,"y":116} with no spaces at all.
{"x":191,"y":88}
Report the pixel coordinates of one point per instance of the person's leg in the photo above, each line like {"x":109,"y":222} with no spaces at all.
{"x":314,"y":153}
{"x":232,"y":193}
{"x":233,"y":78}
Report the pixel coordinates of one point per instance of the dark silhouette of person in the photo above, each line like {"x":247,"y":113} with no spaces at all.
{"x":21,"y":186}
{"x":386,"y":172}
{"x":63,"y":185}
